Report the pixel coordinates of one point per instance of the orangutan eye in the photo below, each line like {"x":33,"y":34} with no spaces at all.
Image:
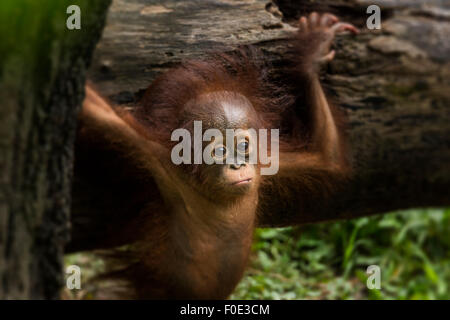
{"x":219,"y":152}
{"x":243,"y":147}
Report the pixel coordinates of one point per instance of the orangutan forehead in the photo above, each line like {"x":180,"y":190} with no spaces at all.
{"x":221,"y":110}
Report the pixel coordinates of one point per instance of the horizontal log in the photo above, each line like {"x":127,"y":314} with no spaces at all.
{"x":393,"y":83}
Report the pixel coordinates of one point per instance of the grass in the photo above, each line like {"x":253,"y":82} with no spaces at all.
{"x":329,"y":261}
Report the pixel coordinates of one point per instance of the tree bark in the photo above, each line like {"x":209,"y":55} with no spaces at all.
{"x":42,"y":75}
{"x":393,"y":83}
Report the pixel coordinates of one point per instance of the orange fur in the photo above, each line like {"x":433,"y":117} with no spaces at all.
{"x":175,"y":231}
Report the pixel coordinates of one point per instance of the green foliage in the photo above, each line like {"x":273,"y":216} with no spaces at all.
{"x":329,"y":261}
{"x":34,"y":39}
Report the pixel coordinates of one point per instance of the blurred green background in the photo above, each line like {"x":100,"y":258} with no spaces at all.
{"x":329,"y":261}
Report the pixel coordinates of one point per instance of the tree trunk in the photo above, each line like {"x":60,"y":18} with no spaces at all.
{"x":42,"y":75}
{"x":393,"y":83}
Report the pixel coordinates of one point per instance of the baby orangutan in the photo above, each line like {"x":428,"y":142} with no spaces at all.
{"x":184,"y":231}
